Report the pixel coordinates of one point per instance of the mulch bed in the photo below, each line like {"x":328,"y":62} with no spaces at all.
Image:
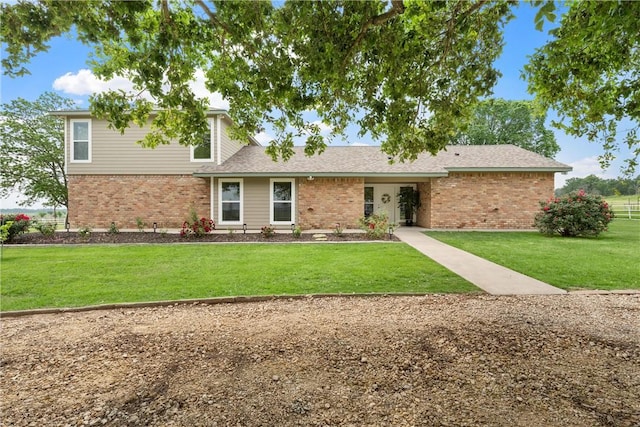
{"x":162,"y":238}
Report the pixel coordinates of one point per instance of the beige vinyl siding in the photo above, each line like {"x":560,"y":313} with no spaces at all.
{"x":116,"y":154}
{"x":229,"y":146}
{"x":256,"y":203}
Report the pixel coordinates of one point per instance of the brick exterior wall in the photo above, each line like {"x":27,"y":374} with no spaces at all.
{"x":324,"y":202}
{"x":423,"y":214}
{"x":97,"y":200}
{"x":487,"y":200}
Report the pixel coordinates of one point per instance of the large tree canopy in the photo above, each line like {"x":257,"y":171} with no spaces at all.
{"x":409,"y":72}
{"x":499,"y":121}
{"x":590,"y":73}
{"x":32,"y":149}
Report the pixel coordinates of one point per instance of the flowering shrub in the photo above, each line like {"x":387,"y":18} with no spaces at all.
{"x":197,"y":227}
{"x":267,"y":231}
{"x":375,"y":225}
{"x":20,"y":224}
{"x":574,"y":214}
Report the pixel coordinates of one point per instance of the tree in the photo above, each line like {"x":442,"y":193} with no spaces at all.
{"x":32,"y":150}
{"x":589,"y":73}
{"x":408,"y":72}
{"x":498,"y":121}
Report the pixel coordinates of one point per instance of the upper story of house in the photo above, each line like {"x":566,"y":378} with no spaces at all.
{"x":92,"y":148}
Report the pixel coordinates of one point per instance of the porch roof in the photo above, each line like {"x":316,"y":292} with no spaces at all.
{"x":370,"y":161}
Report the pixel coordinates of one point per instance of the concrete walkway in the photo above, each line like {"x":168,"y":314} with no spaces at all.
{"x":486,"y":275}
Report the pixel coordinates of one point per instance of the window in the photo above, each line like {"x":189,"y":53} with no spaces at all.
{"x":203,"y":151}
{"x":282,"y":201}
{"x":81,"y":141}
{"x":368,"y":201}
{"x":230,"y":201}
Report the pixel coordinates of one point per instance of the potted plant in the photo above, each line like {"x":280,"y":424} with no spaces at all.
{"x":408,"y":202}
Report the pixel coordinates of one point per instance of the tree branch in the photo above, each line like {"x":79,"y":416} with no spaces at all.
{"x":213,"y":17}
{"x":397,"y":8}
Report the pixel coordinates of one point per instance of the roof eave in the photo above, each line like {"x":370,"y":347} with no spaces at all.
{"x":75,"y":113}
{"x":319,"y":174}
{"x":511,"y":169}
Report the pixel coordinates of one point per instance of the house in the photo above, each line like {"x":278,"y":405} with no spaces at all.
{"x":113,"y":179}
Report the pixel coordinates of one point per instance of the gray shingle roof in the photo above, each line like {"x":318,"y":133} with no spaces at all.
{"x":370,"y":161}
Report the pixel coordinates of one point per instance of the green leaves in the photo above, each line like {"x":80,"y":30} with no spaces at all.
{"x":498,"y":121}
{"x":589,"y":74}
{"x":32,"y":149}
{"x":409,"y":73}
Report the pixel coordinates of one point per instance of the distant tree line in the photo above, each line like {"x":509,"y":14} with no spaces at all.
{"x":604,"y":187}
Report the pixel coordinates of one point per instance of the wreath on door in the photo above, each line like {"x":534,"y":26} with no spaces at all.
{"x":386,"y":198}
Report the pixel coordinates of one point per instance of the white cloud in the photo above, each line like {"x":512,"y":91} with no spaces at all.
{"x":215,"y":99}
{"x":84,"y":82}
{"x":582,"y":168}
{"x":324,"y":128}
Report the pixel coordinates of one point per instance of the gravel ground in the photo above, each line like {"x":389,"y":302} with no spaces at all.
{"x":440,"y":360}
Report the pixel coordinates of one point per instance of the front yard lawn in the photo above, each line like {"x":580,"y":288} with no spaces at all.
{"x":610,"y":261}
{"x":68,"y":276}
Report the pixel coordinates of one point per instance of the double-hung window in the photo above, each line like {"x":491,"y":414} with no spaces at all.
{"x":368,"y":201}
{"x":230,"y":201}
{"x":80,"y":141}
{"x":203,"y":152}
{"x":282,"y":201}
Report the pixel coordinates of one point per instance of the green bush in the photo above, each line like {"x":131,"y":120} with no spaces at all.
{"x":14,"y":225}
{"x":47,"y":229}
{"x":574,"y":214}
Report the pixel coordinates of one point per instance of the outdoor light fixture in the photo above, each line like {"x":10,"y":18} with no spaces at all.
{"x":390,"y":232}
{"x":67,"y":226}
{"x":244,"y":228}
{"x":310,"y":178}
{"x":155,"y":226}
{"x":293,"y":228}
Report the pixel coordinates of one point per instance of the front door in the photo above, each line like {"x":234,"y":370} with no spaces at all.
{"x":384,"y":199}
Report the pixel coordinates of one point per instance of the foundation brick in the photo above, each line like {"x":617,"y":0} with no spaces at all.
{"x":486,"y":200}
{"x":98,"y":200}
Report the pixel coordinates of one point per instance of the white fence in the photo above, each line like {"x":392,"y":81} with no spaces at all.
{"x":628,"y":211}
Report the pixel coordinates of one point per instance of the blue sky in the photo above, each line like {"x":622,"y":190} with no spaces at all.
{"x":64,"y":69}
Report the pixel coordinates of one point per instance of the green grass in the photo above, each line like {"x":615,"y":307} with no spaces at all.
{"x":610,"y":261}
{"x":68,"y":276}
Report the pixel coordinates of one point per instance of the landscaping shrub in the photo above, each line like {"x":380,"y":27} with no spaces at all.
{"x":375,"y":225}
{"x":197,"y":226}
{"x":14,"y":225}
{"x":574,"y":214}
{"x":47,"y":229}
{"x":267,"y":231}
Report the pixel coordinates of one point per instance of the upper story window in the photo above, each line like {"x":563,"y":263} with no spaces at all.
{"x":203,"y":152}
{"x":81,"y":141}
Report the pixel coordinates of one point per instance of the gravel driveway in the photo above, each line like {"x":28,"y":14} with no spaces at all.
{"x":463,"y":360}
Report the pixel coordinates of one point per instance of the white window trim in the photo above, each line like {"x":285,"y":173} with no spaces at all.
{"x":72,"y":140}
{"x":211,"y":151}
{"x":293,"y":201}
{"x":220,"y":182}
